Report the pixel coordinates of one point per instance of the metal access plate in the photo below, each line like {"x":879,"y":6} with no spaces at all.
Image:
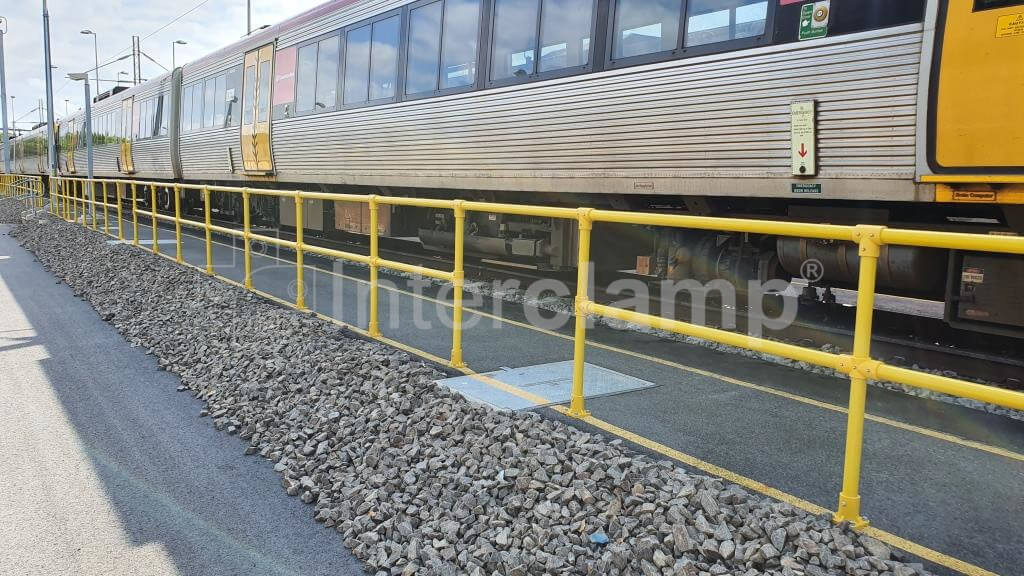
{"x":551,"y":382}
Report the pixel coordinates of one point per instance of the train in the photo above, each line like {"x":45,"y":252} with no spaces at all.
{"x":842,"y":111}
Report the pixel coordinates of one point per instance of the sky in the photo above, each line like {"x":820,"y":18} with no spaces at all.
{"x":211,"y":25}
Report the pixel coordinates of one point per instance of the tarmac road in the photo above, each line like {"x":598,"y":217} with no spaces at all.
{"x":107,"y":469}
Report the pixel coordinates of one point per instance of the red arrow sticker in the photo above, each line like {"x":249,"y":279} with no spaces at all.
{"x":803,"y":150}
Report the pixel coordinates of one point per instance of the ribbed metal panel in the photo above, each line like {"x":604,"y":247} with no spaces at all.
{"x":204,"y":154}
{"x":725,"y":115}
{"x":152,"y":158}
{"x":193,"y":72}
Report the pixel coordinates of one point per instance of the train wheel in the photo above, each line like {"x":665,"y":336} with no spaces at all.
{"x":164,"y":200}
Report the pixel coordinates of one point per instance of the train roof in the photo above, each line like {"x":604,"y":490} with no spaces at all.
{"x":269,"y":34}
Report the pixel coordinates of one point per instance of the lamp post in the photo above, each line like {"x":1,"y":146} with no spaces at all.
{"x":88,"y":137}
{"x":3,"y":98}
{"x":67,"y":101}
{"x":173,"y":46}
{"x":96,"y":53}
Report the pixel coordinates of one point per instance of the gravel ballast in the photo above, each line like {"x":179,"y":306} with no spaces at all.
{"x":415,"y":478}
{"x":11,"y":210}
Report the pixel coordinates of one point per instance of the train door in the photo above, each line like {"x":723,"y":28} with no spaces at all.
{"x":980,"y":87}
{"x":72,"y":141}
{"x":127,"y":117}
{"x":256,"y":85}
{"x":59,"y":146}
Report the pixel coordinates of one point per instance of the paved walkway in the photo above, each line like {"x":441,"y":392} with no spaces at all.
{"x":107,"y":469}
{"x":942,"y":476}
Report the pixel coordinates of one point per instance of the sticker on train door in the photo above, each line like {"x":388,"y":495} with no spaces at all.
{"x":814,"y":20}
{"x":1010,"y":25}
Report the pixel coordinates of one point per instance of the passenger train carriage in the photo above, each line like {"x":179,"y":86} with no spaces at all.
{"x":907,"y":112}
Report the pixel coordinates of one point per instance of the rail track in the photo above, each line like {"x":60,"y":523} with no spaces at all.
{"x":902,"y":339}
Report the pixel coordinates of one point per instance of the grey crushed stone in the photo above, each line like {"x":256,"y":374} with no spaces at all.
{"x":418,"y":480}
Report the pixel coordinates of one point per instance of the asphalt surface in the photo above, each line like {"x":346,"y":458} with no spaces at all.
{"x":107,"y":469}
{"x":953,"y":498}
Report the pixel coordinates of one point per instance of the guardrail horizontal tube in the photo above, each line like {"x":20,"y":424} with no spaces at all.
{"x":790,"y":351}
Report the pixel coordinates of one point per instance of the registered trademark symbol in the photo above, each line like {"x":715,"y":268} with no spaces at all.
{"x":812,"y":270}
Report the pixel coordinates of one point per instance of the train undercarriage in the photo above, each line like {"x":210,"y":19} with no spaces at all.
{"x":977,"y":289}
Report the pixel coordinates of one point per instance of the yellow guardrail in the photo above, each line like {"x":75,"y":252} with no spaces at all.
{"x":28,"y":189}
{"x":70,"y":200}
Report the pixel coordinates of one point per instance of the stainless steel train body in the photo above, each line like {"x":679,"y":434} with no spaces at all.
{"x":702,"y":122}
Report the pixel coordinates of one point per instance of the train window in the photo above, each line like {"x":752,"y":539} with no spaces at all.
{"x":249,"y":84}
{"x":515,"y":37}
{"x":645,"y":27}
{"x":153,"y":128}
{"x":436,"y":62}
{"x":710,"y":21}
{"x":327,"y":61}
{"x":219,"y":103}
{"x":990,"y":4}
{"x":209,"y":102}
{"x":197,"y":106}
{"x":384,"y":57}
{"x":165,"y":100}
{"x":565,"y":33}
{"x":186,"y":109}
{"x":146,"y":126}
{"x":306,"y":83}
{"x":140,"y":129}
{"x":263,"y":96}
{"x":459,"y":45}
{"x":232,"y":92}
{"x":424,"y":48}
{"x":357,"y":65}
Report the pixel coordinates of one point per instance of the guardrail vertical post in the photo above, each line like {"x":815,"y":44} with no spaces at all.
{"x":135,"y":214}
{"x":106,"y":207}
{"x":209,"y":233}
{"x":300,"y":288}
{"x":869,"y":241}
{"x":120,"y":210}
{"x":247,"y":251}
{"x":89,"y":203}
{"x":62,"y":206}
{"x":152,"y":217}
{"x":374,"y":327}
{"x":458,"y":279}
{"x":576,"y":404}
{"x":177,"y":225}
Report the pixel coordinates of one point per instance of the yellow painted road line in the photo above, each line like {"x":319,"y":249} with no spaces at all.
{"x":927,"y":553}
{"x":946,"y":437}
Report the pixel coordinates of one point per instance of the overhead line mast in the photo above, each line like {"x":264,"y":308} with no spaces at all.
{"x":48,"y":74}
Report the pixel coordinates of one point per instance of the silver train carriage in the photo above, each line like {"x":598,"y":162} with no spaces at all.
{"x":843,"y":111}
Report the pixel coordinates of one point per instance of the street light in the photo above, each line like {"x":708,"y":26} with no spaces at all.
{"x":77,"y":76}
{"x":96,"y":52}
{"x":173,"y":46}
{"x":119,"y":76}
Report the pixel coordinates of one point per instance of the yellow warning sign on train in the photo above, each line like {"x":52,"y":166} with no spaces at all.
{"x":1010,"y":25}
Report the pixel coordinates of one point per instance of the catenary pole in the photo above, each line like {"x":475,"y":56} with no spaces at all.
{"x":48,"y":72}
{"x":3,"y":100}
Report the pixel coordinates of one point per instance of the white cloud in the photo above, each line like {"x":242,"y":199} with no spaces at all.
{"x":215,"y":24}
